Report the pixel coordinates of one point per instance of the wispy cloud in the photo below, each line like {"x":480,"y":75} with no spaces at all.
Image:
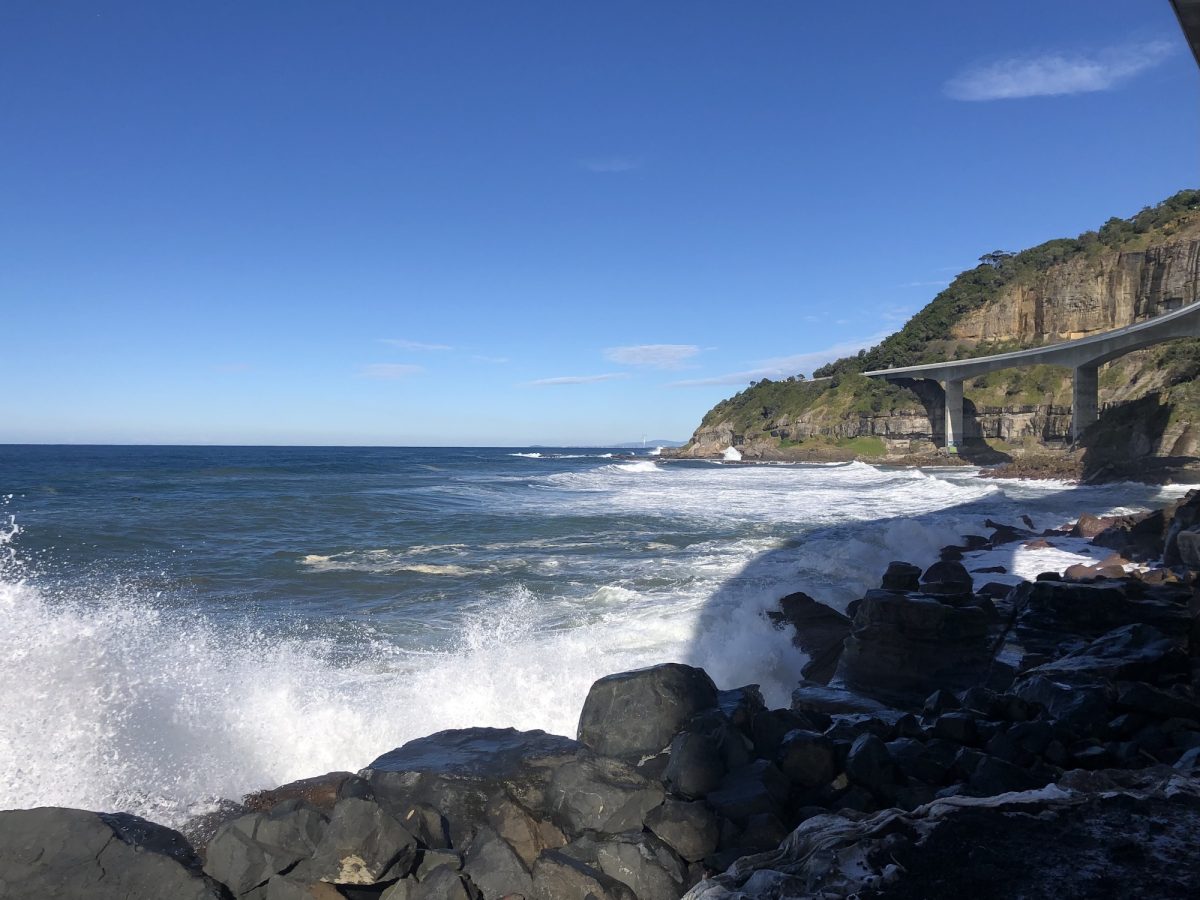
{"x":390,"y":371}
{"x":413,"y":345}
{"x":495,"y":360}
{"x":655,"y":356}
{"x":577,"y":379}
{"x":1057,"y":74}
{"x":783,"y":366}
{"x":608,"y":165}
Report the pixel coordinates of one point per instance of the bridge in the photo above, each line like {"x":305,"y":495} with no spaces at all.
{"x":1083,"y":356}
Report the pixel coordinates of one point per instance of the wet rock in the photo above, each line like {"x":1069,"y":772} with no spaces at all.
{"x":819,"y":631}
{"x":739,"y":706}
{"x":428,"y":860}
{"x":598,"y":793}
{"x":363,"y":844}
{"x":763,"y":831}
{"x":298,"y":887}
{"x":321,"y":792}
{"x":1133,"y":652}
{"x":1074,"y":706}
{"x":634,"y":714}
{"x":494,"y":867}
{"x":557,"y":876}
{"x":689,"y":828}
{"x":807,"y":759}
{"x":958,"y":727}
{"x":459,"y":772}
{"x":914,"y":761}
{"x":1141,"y":697}
{"x":940,"y":701}
{"x":246,"y":852}
{"x":991,"y":776}
{"x":56,"y":852}
{"x":696,"y":765}
{"x":816,"y":701}
{"x":645,"y":864}
{"x":901,"y":576}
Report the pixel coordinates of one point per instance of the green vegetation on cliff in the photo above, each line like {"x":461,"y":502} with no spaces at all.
{"x":793,"y":416}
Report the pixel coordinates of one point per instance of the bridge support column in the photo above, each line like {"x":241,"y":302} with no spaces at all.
{"x":1085,"y":399}
{"x":954,"y":414}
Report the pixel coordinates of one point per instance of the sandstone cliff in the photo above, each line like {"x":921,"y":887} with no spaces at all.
{"x":1128,"y":271}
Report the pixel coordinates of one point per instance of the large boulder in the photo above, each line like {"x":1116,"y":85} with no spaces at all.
{"x":644,"y":863}
{"x":466,"y":773}
{"x":64,"y":853}
{"x":248,"y":851}
{"x":631,"y":715}
{"x":601,"y":794}
{"x":557,"y":876}
{"x":689,"y":828}
{"x":363,"y":845}
{"x":819,"y":631}
{"x":905,"y":646}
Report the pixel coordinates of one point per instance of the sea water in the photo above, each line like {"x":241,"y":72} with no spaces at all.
{"x":179,"y":625}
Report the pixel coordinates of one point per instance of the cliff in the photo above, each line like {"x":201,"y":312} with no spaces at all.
{"x":1127,"y":271}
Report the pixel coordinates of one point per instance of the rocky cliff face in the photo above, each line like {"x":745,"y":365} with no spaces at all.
{"x":1084,"y":296}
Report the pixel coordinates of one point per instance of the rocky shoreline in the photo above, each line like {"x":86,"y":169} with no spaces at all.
{"x":953,"y":736}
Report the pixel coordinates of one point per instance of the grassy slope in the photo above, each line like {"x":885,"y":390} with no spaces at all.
{"x":844,"y":394}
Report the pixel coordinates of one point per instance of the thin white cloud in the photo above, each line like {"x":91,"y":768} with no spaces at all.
{"x":1057,"y":74}
{"x":495,"y":360}
{"x":577,"y":379}
{"x":783,"y":366}
{"x":414,"y":345}
{"x":609,"y":165}
{"x":390,"y":371}
{"x":655,"y":356}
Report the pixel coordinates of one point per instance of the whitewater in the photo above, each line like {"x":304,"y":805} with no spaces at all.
{"x":180,"y":625}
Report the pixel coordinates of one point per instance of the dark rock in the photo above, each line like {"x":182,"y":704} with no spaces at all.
{"x":458,"y":772}
{"x":246,"y":852}
{"x":807,"y":759}
{"x":689,"y":828}
{"x":757,"y":788}
{"x":819,"y":632}
{"x":321,"y":792}
{"x":645,"y":864}
{"x":763,"y":831}
{"x":990,"y":570}
{"x":770,"y":728}
{"x":363,"y":844}
{"x":494,"y":867}
{"x":995,"y":776}
{"x":740,"y":705}
{"x":598,"y":793}
{"x":957,"y":727}
{"x":816,"y":701}
{"x":557,"y":876}
{"x":1081,"y":706}
{"x":1133,"y":652}
{"x":296,"y":886}
{"x":1140,"y":697}
{"x":940,"y":701}
{"x":66,"y":853}
{"x":444,"y":884}
{"x":526,"y":835}
{"x":950,"y":554}
{"x":901,"y":576}
{"x":428,"y":860}
{"x":916,"y":762}
{"x":903,"y":647}
{"x":696,"y":765}
{"x":871,"y":766}
{"x":427,"y":825}
{"x":947,"y":577}
{"x":849,"y":727}
{"x":982,"y":702}
{"x":1133,"y":839}
{"x":634,"y":714}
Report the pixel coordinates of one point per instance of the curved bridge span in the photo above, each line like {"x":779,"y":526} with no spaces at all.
{"x":1083,"y":356}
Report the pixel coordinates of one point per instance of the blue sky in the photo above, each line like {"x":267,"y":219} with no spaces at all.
{"x":529,"y":222}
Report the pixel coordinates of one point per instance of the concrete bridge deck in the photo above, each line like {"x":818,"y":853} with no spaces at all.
{"x":1083,"y":356}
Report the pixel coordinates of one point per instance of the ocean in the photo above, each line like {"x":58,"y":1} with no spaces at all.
{"x":183,"y":624}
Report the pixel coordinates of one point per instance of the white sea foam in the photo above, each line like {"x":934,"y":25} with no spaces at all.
{"x":115,"y":700}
